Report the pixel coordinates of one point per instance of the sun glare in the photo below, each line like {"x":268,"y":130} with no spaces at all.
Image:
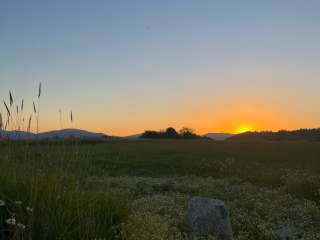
{"x":244,"y":128}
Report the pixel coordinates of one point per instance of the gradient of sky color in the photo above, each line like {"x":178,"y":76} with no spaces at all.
{"x":127,"y":66}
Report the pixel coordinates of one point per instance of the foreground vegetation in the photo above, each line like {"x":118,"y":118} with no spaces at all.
{"x":139,"y":189}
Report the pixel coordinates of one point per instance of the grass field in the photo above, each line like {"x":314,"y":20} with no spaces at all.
{"x":139,"y":189}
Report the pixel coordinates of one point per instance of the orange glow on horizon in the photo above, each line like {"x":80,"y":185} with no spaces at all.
{"x":231,"y":118}
{"x":244,"y":128}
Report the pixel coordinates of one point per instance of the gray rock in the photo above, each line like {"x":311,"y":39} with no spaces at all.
{"x":208,"y":216}
{"x":288,"y":233}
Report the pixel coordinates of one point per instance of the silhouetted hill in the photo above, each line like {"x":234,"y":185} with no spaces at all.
{"x":133,"y":137}
{"x":283,"y":135}
{"x":64,"y":133}
{"x":218,"y":136}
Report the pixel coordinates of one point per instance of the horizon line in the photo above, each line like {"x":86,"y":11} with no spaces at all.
{"x":128,"y":135}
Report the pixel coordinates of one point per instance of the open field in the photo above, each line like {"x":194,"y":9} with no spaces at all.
{"x":139,"y":189}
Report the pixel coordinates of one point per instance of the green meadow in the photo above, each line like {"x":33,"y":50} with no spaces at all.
{"x":139,"y":189}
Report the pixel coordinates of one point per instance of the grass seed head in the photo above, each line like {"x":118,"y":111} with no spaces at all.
{"x":22,"y":104}
{"x":39,"y":92}
{"x":11,"y":98}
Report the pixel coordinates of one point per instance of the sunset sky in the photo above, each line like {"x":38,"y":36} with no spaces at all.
{"x":126,"y":66}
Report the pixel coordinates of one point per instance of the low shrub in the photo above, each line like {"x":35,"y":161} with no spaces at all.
{"x":302,"y":185}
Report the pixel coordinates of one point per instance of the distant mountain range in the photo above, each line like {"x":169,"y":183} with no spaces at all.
{"x":302,"y":134}
{"x":219,"y":136}
{"x":133,"y":137}
{"x":78,"y":133}
{"x":64,"y":133}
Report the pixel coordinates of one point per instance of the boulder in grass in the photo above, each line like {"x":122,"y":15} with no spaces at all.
{"x":208,"y":216}
{"x":288,"y":233}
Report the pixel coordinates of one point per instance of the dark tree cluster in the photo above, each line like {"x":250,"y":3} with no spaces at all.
{"x":171,"y":133}
{"x":283,"y":135}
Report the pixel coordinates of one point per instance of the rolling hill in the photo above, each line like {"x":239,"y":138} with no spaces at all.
{"x":64,"y":133}
{"x":219,"y":136}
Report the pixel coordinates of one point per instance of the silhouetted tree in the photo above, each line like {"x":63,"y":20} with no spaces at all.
{"x":150,"y":134}
{"x":186,"y":132}
{"x":171,"y":133}
{"x":282,"y":135}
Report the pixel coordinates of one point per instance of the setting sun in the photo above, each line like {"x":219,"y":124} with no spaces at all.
{"x":244,"y":128}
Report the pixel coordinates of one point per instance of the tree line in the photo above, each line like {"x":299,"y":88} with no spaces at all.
{"x":171,"y":133}
{"x":282,"y":135}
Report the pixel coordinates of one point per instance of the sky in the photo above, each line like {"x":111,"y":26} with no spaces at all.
{"x":123,"y":67}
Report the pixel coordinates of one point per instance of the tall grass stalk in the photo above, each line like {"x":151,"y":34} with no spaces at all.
{"x":1,"y":124}
{"x":7,"y":126}
{"x":12,"y":110}
{"x":60,"y":118}
{"x":38,"y":115}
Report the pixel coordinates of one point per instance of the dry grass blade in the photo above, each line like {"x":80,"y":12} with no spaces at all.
{"x":8,"y":111}
{"x":34,"y":108}
{"x":11,"y":98}
{"x":29,"y":124}
{"x":71,"y":117}
{"x":1,"y":123}
{"x":7,"y":123}
{"x":17,"y":109}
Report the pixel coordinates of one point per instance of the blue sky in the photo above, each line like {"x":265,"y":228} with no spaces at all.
{"x":127,"y":66}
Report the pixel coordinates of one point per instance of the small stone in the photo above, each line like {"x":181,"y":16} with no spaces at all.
{"x":208,"y":216}
{"x":288,"y":233}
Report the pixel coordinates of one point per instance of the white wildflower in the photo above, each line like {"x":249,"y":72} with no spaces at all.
{"x":29,"y":209}
{"x":21,"y":226}
{"x":11,"y":221}
{"x":2,"y":203}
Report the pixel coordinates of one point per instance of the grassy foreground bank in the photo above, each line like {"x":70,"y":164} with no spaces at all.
{"x":138,"y":189}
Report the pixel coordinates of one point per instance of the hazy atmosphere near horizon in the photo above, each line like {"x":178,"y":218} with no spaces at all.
{"x":126,"y":66}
